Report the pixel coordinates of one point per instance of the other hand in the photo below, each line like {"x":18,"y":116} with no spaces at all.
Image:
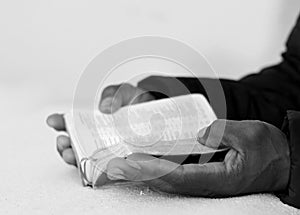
{"x":112,"y":99}
{"x":257,"y":161}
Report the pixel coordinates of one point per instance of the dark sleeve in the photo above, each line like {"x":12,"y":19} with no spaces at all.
{"x":263,"y":96}
{"x":291,"y":128}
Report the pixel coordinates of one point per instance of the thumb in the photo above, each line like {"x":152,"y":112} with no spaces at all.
{"x":212,"y":135}
{"x":222,"y":134}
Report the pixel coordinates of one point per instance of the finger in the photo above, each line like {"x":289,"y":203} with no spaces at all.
{"x":109,"y":102}
{"x":213,"y":135}
{"x":147,"y":169}
{"x":222,"y":134}
{"x":202,"y":135}
{"x":109,"y":91}
{"x":132,"y":170}
{"x":57,"y":122}
{"x":192,"y":179}
{"x":63,"y":142}
{"x":69,"y":156}
{"x":203,"y":179}
{"x":116,"y":96}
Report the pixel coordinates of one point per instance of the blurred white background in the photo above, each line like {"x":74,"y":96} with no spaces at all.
{"x":46,"y":44}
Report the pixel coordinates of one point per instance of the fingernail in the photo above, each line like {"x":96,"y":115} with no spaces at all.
{"x":116,"y":174}
{"x":200,"y":135}
{"x":51,"y":122}
{"x":133,"y":164}
{"x":101,"y":180}
{"x":106,"y":103}
{"x":201,"y":132}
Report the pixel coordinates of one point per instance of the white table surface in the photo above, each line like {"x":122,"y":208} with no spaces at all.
{"x":34,"y":179}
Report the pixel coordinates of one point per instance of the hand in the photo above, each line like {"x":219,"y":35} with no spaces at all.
{"x":257,"y":161}
{"x":113,"y":98}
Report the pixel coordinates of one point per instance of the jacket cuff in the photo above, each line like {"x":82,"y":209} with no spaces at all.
{"x":291,"y":128}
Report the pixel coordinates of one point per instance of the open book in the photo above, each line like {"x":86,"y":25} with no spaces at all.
{"x":162,"y":128}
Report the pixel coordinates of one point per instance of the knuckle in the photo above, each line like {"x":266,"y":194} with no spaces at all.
{"x":259,"y":129}
{"x":219,"y":127}
{"x":127,"y":88}
{"x":177,"y":179}
{"x":110,"y":90}
{"x":218,"y":123}
{"x":58,"y":139}
{"x":254,"y":134}
{"x":59,"y":150}
{"x":127,"y":85}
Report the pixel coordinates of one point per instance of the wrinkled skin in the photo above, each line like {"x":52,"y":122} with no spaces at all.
{"x":257,"y":160}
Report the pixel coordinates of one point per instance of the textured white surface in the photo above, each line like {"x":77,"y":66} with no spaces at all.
{"x":34,"y":180}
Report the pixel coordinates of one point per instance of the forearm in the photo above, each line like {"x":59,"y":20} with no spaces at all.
{"x":264,"y":96}
{"x":243,"y":101}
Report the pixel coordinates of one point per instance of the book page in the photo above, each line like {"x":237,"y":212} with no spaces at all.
{"x":160,"y":127}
